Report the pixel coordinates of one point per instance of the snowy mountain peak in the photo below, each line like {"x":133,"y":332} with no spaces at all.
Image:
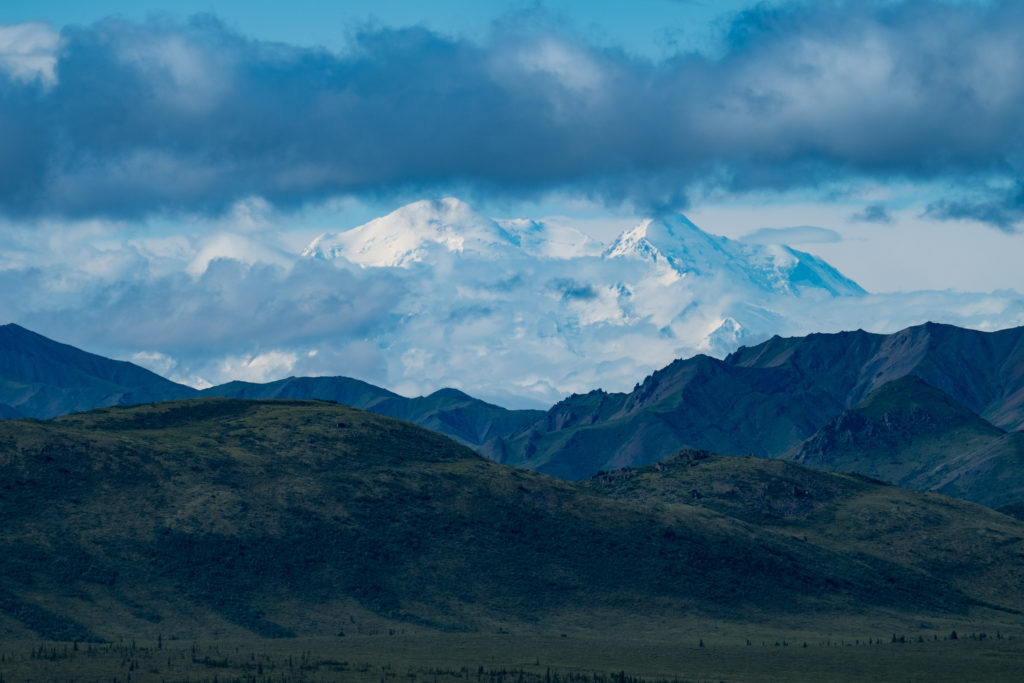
{"x":678,"y":244}
{"x":409,"y":234}
{"x":675,"y":241}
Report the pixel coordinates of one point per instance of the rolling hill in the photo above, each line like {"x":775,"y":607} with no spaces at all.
{"x":829,"y":401}
{"x":220,"y":517}
{"x":448,"y":411}
{"x":975,"y":548}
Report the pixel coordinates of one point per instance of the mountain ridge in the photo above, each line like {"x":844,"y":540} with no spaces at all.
{"x":762,"y":400}
{"x":766,"y":398}
{"x":41,"y":378}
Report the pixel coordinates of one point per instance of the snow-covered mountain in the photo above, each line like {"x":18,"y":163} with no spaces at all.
{"x":425,"y":230}
{"x":550,"y":310}
{"x":520,"y":312}
{"x":415,"y":233}
{"x":679,"y":246}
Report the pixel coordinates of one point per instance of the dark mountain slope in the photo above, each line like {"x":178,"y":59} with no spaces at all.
{"x":982,"y":370}
{"x":344,"y":390}
{"x":226,"y":517}
{"x":978,"y":549}
{"x":899,"y":432}
{"x":700,"y":402}
{"x":912,"y":434}
{"x":9,"y":413}
{"x":992,"y":475}
{"x":43,"y":378}
{"x":765,"y":399}
{"x":447,"y":411}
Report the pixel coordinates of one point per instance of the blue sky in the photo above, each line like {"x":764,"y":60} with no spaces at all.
{"x":654,"y":28}
{"x":884,"y":137}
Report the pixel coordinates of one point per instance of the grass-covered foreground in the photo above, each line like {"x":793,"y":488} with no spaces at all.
{"x":504,"y":658}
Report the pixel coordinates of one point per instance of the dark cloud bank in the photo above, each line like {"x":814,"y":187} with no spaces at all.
{"x":169,"y":117}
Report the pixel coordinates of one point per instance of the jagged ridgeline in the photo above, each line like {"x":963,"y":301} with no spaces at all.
{"x":220,"y":517}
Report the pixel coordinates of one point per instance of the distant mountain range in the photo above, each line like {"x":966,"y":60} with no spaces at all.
{"x":41,"y":378}
{"x":447,"y":411}
{"x":517,"y":312}
{"x":764,"y":400}
{"x":424,"y":232}
{"x":232,"y":518}
{"x":931,"y":407}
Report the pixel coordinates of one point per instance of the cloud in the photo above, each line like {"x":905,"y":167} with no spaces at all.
{"x":244,"y":315}
{"x":874,"y":213}
{"x":263,"y":367}
{"x":136,"y":119}
{"x":28,"y":52}
{"x":1002,"y":209}
{"x":467,"y":321}
{"x":801,"y":234}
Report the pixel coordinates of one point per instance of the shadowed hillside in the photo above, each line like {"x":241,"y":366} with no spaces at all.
{"x":42,"y":378}
{"x":977,"y":549}
{"x":914,"y":435}
{"x":447,"y":411}
{"x":228,"y":517}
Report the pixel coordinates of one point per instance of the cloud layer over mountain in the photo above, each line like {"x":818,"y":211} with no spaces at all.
{"x":120,"y":119}
{"x":515,"y":311}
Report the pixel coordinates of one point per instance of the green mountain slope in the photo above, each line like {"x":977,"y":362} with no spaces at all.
{"x":914,"y":435}
{"x":977,"y":549}
{"x":219,"y":517}
{"x":700,"y":402}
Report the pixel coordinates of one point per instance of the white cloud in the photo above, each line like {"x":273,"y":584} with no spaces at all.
{"x":516,"y":330}
{"x":238,"y":248}
{"x":160,"y":363}
{"x":572,"y":67}
{"x":262,"y":367}
{"x":193,"y":79}
{"x":29,"y":51}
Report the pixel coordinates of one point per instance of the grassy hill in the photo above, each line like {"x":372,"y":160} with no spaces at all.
{"x":976,"y":549}
{"x":42,"y":378}
{"x":230,"y":518}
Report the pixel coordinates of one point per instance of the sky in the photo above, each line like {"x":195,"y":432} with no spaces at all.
{"x":143,"y":140}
